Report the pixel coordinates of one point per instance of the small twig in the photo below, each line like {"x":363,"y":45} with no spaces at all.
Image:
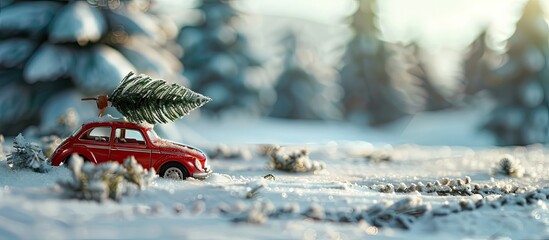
{"x":254,"y":192}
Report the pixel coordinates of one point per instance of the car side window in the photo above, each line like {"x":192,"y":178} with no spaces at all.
{"x":98,"y":134}
{"x":129,"y":136}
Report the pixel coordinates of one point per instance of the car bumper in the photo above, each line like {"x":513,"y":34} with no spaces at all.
{"x":203,"y":175}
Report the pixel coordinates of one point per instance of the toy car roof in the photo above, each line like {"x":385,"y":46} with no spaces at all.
{"x":119,"y":121}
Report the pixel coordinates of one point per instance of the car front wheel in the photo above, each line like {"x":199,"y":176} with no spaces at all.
{"x":174,"y":171}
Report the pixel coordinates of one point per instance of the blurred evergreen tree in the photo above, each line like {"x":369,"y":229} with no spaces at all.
{"x":426,"y":92}
{"x":475,"y":67}
{"x":371,"y":94}
{"x":522,"y":115}
{"x":305,"y":88}
{"x":218,"y":63}
{"x":48,"y":48}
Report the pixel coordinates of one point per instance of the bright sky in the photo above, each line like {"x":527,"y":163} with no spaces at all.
{"x":435,"y":23}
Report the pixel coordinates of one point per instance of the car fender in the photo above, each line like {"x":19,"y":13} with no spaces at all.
{"x":57,"y":160}
{"x":185,"y":160}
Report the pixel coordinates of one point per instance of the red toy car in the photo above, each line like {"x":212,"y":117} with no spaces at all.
{"x":111,"y":139}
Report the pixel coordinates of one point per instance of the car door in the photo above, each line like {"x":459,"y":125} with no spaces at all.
{"x":97,"y":141}
{"x":130,"y":142}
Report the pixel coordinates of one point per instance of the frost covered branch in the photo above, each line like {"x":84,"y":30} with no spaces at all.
{"x":27,"y":156}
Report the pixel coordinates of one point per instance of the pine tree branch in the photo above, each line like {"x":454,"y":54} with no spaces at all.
{"x":140,"y":98}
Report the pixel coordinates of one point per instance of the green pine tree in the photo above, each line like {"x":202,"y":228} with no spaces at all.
{"x":475,"y":67}
{"x":218,"y":62}
{"x":371,"y":94}
{"x":305,"y":89}
{"x":522,"y":113}
{"x":56,"y":48}
{"x":139,"y":98}
{"x":432,"y":97}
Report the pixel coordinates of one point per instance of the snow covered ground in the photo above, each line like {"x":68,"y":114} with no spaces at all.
{"x":31,"y":206}
{"x":424,"y":148}
{"x":459,"y":127}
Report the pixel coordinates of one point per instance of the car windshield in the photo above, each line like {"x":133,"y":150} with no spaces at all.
{"x":76,"y":131}
{"x":152,"y":135}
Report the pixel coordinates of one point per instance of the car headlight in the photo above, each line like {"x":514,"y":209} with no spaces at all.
{"x":198,"y":165}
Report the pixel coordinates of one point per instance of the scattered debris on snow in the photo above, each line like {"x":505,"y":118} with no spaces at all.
{"x":252,"y":190}
{"x":452,"y":187}
{"x":509,"y":166}
{"x":252,"y":193}
{"x":494,"y":201}
{"x":334,"y":199}
{"x":297,"y":161}
{"x":258,"y":213}
{"x":269,"y":177}
{"x":378,"y":157}
{"x":400,"y":214}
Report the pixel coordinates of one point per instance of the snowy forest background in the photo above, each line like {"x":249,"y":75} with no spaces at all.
{"x":379,"y":65}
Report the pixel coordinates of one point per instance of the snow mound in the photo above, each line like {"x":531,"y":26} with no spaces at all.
{"x":217,"y":178}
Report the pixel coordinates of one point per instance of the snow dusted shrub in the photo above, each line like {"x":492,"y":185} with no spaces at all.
{"x":93,"y":182}
{"x":105,"y":180}
{"x":297,"y":161}
{"x":134,"y":173}
{"x":266,"y":149}
{"x":508,"y":166}
{"x":27,"y":155}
